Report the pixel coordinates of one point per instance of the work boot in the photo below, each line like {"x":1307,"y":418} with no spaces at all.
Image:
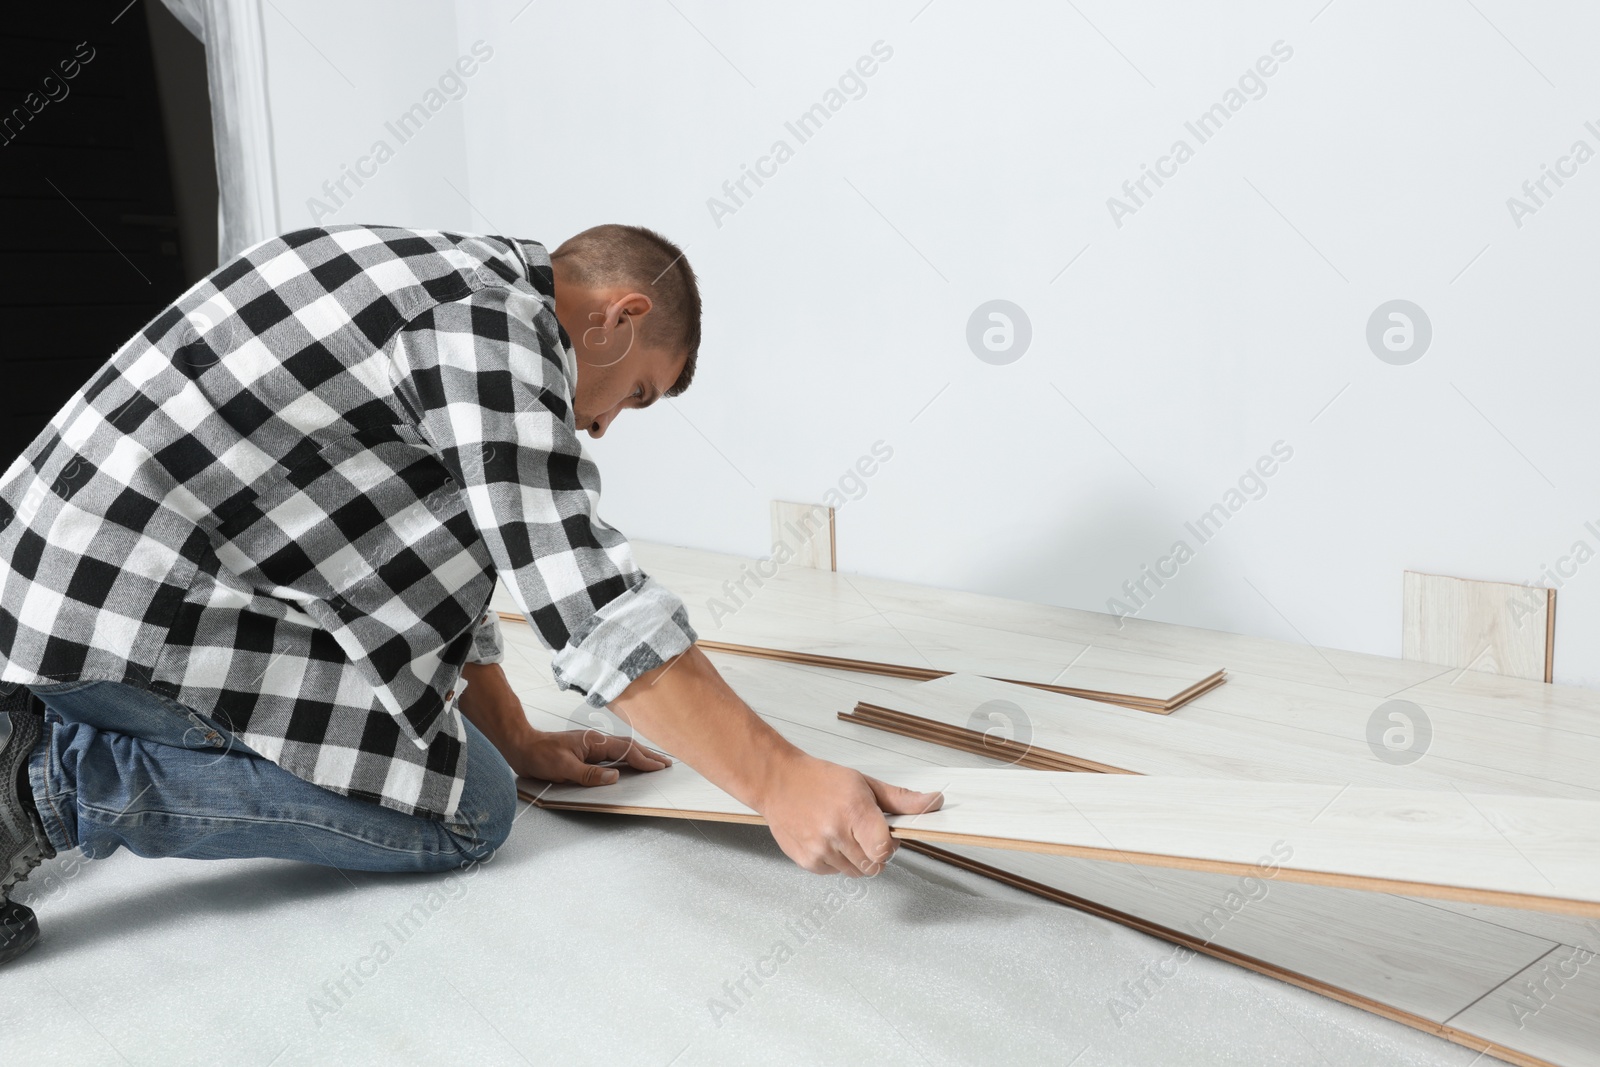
{"x":23,"y":844}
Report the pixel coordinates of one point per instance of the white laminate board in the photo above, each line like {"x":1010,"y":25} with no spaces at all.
{"x":973,"y":649}
{"x":1564,"y":929}
{"x":1465,"y":746}
{"x":699,"y":577}
{"x":1493,"y":627}
{"x":1139,"y":742}
{"x":1398,"y":952}
{"x":1528,"y":852}
{"x":1562,"y":707}
{"x":1406,"y":956}
{"x":1551,"y":1009}
{"x":806,"y":531}
{"x":1516,"y":737}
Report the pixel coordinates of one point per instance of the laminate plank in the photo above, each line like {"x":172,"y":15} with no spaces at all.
{"x":1386,"y":949}
{"x":1354,"y":947}
{"x":1496,"y":627}
{"x":1110,"y":736}
{"x":807,"y":532}
{"x":1560,"y":707}
{"x":1551,"y":1009}
{"x":1547,"y":750}
{"x":1467,"y":746}
{"x":1524,"y":852}
{"x":1217,"y":951}
{"x":699,"y":577}
{"x":1097,"y":672}
{"x":1022,"y":758}
{"x":1562,"y":929}
{"x":922,"y":643}
{"x":1114,"y":684}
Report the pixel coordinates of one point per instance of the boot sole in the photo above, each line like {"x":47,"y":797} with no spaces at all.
{"x":17,"y":938}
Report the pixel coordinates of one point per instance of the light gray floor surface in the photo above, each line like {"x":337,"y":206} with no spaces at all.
{"x":606,"y":939}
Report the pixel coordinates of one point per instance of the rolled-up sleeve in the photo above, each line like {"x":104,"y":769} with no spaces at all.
{"x":489,"y":380}
{"x":487,"y":644}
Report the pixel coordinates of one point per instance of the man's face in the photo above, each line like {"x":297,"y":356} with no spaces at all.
{"x":617,"y":368}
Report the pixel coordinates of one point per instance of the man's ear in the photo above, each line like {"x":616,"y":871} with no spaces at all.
{"x":633,"y":305}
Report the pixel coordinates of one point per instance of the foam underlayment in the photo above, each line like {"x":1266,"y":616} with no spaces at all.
{"x":591,"y":939}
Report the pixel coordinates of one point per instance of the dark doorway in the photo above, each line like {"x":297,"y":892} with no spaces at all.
{"x":94,"y":241}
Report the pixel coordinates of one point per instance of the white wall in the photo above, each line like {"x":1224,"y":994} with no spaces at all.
{"x":1220,"y":318}
{"x":337,"y":74}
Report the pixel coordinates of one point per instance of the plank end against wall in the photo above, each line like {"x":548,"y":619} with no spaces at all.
{"x":807,"y":531}
{"x":1495,"y":627}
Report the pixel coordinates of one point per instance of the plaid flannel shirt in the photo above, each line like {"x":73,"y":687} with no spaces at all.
{"x":286,"y":501}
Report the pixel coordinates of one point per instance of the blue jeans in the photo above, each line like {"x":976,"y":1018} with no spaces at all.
{"x":124,"y":767}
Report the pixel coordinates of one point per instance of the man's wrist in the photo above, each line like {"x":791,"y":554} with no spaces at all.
{"x":491,"y":705}
{"x":772,"y":760}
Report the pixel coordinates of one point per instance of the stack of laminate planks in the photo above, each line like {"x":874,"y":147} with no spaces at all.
{"x":1427,"y":950}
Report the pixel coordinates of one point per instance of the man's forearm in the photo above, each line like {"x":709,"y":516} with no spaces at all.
{"x":825,"y":817}
{"x":687,"y":708}
{"x":491,"y":705}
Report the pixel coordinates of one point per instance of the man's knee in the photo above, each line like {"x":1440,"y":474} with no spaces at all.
{"x":484,"y":820}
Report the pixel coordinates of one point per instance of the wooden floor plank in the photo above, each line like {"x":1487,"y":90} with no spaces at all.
{"x":1548,"y":1010}
{"x":1264,"y":919}
{"x":803,"y":702}
{"x":1539,"y":853}
{"x":1116,"y":737}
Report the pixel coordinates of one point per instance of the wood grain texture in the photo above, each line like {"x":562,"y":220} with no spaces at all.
{"x":1316,"y":698}
{"x":971,"y":860}
{"x":1092,"y":734}
{"x":1561,"y":929}
{"x":989,"y":745}
{"x":1362,"y":949}
{"x":1494,"y":627}
{"x":1131,"y":688}
{"x":806,"y":532}
{"x":852,"y":602}
{"x":1551,"y":1009}
{"x":1522,"y":852}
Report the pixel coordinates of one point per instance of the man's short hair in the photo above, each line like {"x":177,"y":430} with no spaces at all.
{"x":643,"y":260}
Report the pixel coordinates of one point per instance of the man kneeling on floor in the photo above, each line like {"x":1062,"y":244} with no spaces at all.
{"x":245,"y":571}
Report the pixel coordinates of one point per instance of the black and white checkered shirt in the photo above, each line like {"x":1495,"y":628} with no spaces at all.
{"x":285,"y":503}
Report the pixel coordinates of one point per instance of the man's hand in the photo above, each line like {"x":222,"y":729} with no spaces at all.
{"x":825,"y":817}
{"x":566,"y":756}
{"x":583,"y":757}
{"x":829,"y":818}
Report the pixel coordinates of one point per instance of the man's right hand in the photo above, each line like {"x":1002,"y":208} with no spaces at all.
{"x":830,"y":819}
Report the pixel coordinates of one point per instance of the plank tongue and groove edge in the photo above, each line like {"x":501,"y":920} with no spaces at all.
{"x":1106,"y":684}
{"x":1087,"y":735}
{"x":1538,"y":853}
